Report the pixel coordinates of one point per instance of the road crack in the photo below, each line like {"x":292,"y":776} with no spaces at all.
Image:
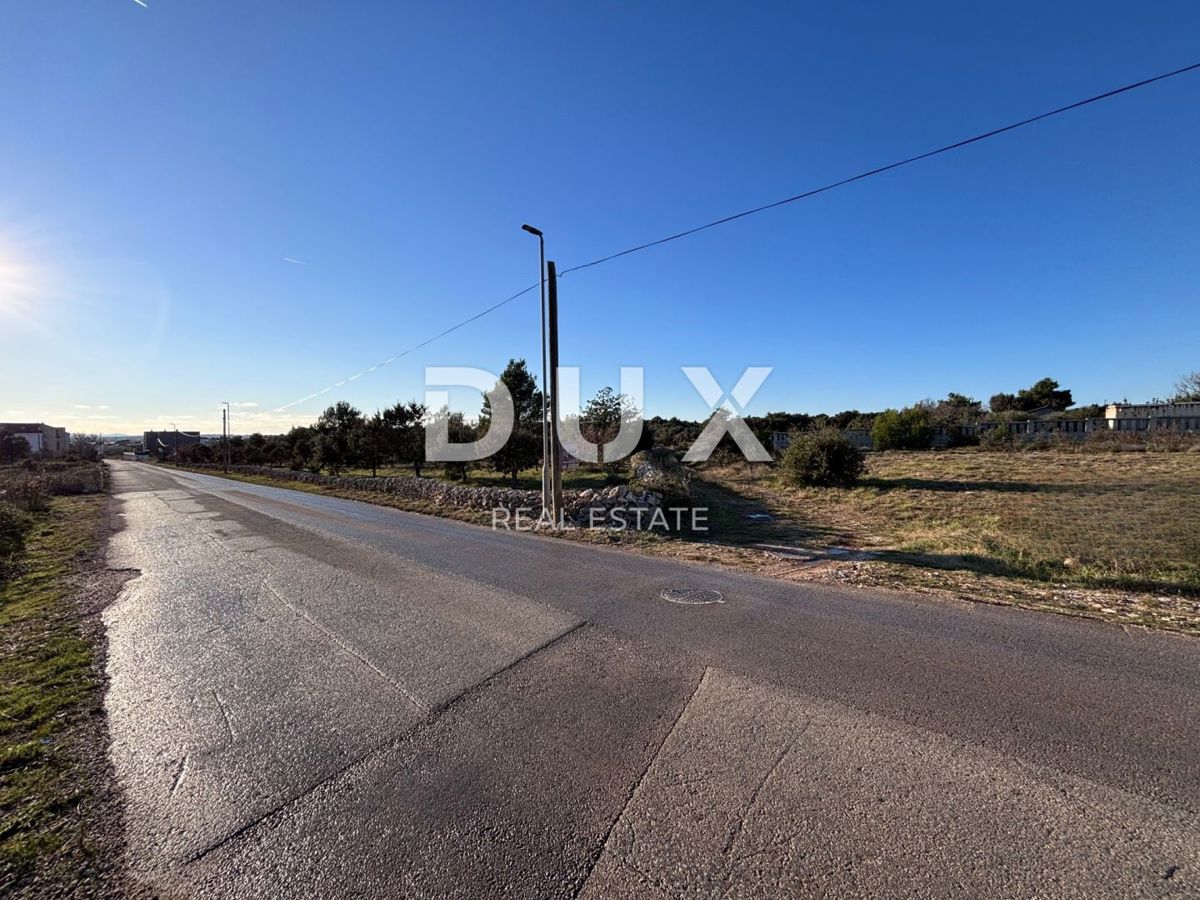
{"x":634,"y":791}
{"x":180,"y":771}
{"x":739,"y":826}
{"x":225,"y":717}
{"x":412,"y":698}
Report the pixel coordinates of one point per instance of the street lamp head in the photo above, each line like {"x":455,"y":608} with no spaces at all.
{"x":531,"y":230}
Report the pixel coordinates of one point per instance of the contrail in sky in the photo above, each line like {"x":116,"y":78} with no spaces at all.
{"x":298,"y":262}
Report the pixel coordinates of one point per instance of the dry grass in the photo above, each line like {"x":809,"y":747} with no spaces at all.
{"x":1113,"y":534}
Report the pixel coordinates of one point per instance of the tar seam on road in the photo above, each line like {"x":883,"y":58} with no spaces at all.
{"x":479,"y":686}
{"x":300,"y":614}
{"x":434,"y":714}
{"x":180,"y":772}
{"x":333,"y":776}
{"x":225,"y":718}
{"x":637,"y":784}
{"x":736,"y":830}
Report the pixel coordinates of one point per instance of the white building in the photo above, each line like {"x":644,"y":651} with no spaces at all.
{"x":1148,"y":410}
{"x":41,"y":438}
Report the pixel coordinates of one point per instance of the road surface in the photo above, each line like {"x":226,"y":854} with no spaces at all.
{"x":312,"y":697}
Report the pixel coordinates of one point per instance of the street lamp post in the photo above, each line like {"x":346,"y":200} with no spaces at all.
{"x":228,"y":427}
{"x":545,"y":433}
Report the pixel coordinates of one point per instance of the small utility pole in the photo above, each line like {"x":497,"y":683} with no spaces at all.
{"x":176,"y":428}
{"x":555,"y":449}
{"x":225,"y":439}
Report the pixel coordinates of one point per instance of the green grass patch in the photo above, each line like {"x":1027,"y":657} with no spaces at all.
{"x":47,"y":679}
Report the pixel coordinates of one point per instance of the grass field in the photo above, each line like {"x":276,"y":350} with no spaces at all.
{"x":1127,"y":522}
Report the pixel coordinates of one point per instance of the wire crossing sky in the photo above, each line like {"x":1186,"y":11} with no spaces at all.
{"x":879,"y":170}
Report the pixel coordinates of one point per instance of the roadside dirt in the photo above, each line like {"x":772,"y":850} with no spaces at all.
{"x":90,"y":861}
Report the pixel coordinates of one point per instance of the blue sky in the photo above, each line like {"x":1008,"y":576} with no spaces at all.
{"x":160,"y":164}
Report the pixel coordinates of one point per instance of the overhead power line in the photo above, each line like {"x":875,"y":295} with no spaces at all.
{"x":879,"y":170}
{"x":413,"y":349}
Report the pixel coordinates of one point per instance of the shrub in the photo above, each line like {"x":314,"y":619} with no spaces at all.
{"x":1157,"y":441}
{"x":998,"y":438}
{"x":31,"y":487}
{"x":30,"y":493}
{"x":908,"y":429}
{"x":80,"y":479}
{"x":13,"y":525}
{"x":957,"y":437}
{"x":824,"y":458}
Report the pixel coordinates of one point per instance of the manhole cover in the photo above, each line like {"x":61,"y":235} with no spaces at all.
{"x":692,"y":596}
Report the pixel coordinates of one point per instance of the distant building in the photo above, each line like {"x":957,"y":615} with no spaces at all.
{"x":155,"y":441}
{"x":1148,"y":410}
{"x":41,"y":438}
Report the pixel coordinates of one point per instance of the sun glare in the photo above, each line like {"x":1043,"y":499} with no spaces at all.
{"x":20,"y":286}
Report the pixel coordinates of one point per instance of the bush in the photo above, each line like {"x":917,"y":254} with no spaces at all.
{"x":823,"y":458}
{"x":908,"y":429}
{"x":30,"y":493}
{"x":30,"y":487}
{"x":1156,"y":441}
{"x":13,"y":525}
{"x":998,"y":438}
{"x":74,"y":480}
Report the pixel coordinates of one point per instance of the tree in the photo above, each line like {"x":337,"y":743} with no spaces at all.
{"x":372,"y":442}
{"x":674,"y":433}
{"x":951,"y":414}
{"x":338,"y":436}
{"x":1040,"y":394}
{"x":13,"y":447}
{"x":961,"y":402}
{"x":300,"y":444}
{"x":459,"y":431}
{"x":907,"y":429}
{"x":1002,"y":403}
{"x":256,"y":449}
{"x":524,"y":446}
{"x":1045,"y":393}
{"x":237,"y":450}
{"x":84,"y":446}
{"x":603,"y":416}
{"x":526,"y":398}
{"x":1187,"y":389}
{"x":764,"y":426}
{"x":404,"y":430}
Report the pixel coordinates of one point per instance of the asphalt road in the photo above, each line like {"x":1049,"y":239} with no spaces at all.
{"x":313,"y":697}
